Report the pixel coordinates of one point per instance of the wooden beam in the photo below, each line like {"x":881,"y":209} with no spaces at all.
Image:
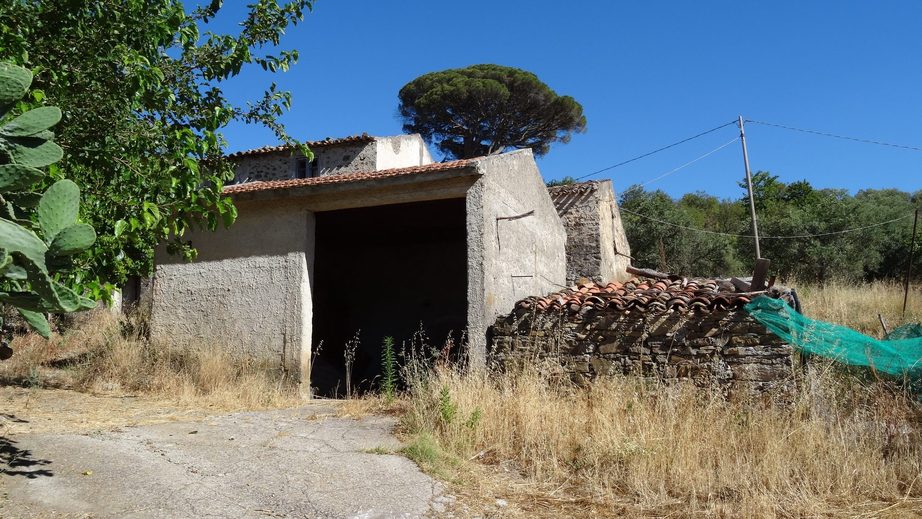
{"x":760,"y":274}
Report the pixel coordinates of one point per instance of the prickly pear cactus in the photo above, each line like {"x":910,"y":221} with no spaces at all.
{"x":32,"y":236}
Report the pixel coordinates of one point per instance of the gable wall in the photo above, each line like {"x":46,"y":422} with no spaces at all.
{"x":509,"y":258}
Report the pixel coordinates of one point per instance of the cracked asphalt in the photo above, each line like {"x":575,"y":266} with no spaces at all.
{"x":303,"y":462}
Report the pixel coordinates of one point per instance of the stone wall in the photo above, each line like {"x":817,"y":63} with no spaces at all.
{"x":346,"y":158}
{"x":328,"y":160}
{"x":723,"y":347}
{"x":268,"y":166}
{"x":597,"y":248}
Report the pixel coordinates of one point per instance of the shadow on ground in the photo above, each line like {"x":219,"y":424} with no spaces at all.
{"x":20,"y":462}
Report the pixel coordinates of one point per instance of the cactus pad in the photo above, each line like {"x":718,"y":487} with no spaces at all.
{"x":32,"y":122}
{"x":16,"y":177}
{"x":32,"y":151}
{"x":57,"y":210}
{"x":14,"y":83}
{"x":73,"y":239}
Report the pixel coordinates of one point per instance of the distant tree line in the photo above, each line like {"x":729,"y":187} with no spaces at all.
{"x":783,"y":209}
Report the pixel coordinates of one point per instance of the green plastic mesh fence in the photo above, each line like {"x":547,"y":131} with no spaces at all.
{"x":907,"y":331}
{"x":901,"y":357}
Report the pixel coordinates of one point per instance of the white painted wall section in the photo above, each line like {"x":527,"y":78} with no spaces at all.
{"x":401,"y":151}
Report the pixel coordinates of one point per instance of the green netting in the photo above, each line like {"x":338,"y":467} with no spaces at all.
{"x":907,"y":331}
{"x":899,"y":357}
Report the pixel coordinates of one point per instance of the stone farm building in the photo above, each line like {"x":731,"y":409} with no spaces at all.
{"x":372,"y":239}
{"x":373,"y":235}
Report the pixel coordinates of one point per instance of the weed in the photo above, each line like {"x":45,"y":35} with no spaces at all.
{"x":389,"y":369}
{"x":447,"y":408}
{"x":349,"y":356}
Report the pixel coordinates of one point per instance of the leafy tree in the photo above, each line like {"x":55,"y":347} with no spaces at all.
{"x":486,"y":109}
{"x":141,"y":81}
{"x":669,"y":236}
{"x":38,"y":232}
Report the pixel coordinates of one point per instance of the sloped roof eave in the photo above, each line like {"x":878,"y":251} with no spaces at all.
{"x":353,"y":181}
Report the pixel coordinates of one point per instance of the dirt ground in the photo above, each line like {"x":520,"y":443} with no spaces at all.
{"x":69,"y":454}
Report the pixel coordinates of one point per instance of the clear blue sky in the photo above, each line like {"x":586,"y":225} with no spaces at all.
{"x":646,"y":73}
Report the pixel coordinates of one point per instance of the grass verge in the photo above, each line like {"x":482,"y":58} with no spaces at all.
{"x":99,"y":357}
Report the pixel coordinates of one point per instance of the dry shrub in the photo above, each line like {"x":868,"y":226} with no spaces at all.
{"x":101,"y":355}
{"x":661,"y":447}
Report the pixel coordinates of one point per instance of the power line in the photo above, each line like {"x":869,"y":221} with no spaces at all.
{"x":689,"y":163}
{"x":655,"y":151}
{"x":791,"y":237}
{"x":825,"y":134}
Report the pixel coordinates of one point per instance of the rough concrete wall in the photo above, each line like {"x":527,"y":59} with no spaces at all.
{"x":401,"y":151}
{"x":345,"y":158}
{"x":615,"y":250}
{"x":727,"y":348}
{"x":249,"y":289}
{"x":516,"y":242}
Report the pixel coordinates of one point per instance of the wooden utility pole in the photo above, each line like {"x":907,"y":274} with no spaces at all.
{"x":912,"y":249}
{"x":752,"y":202}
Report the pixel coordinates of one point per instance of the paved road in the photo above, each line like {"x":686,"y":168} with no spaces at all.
{"x":289,"y":463}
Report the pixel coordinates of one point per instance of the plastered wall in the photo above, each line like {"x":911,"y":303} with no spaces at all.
{"x":516,"y":243}
{"x":249,"y":288}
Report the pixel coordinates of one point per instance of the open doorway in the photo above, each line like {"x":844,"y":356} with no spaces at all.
{"x":385,"y":271}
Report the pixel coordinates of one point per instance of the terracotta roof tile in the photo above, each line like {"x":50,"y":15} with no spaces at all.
{"x":568,"y":195}
{"x":343,"y":178}
{"x":643,"y":295}
{"x":353,"y":139}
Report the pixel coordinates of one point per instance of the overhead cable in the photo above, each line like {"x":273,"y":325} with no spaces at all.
{"x":618,"y":165}
{"x":791,"y":237}
{"x":689,"y":163}
{"x":825,"y":134}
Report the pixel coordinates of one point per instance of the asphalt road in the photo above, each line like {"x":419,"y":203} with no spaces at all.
{"x":302,"y":462}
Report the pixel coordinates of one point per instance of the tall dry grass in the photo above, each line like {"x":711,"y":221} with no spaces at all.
{"x":627,"y":446}
{"x":624,"y":445}
{"x":104,"y":355}
{"x":857,"y":305}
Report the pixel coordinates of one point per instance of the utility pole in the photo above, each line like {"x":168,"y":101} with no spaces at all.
{"x":752,"y":201}
{"x":912,"y":249}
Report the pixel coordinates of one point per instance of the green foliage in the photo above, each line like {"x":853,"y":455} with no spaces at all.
{"x":486,"y":109}
{"x":389,"y":369}
{"x":795,"y":209}
{"x":565,"y":181}
{"x":141,"y":83}
{"x":33,"y":239}
{"x":447,"y":408}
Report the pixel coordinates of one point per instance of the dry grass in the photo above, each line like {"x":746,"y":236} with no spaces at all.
{"x":857,"y":306}
{"x":625,"y":446}
{"x":620,"y":447}
{"x":99,"y":357}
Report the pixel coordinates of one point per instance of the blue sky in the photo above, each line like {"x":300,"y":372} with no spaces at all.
{"x":646,"y":73}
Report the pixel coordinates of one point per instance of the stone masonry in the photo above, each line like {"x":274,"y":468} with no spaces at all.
{"x":708,"y":343}
{"x":597,"y":248}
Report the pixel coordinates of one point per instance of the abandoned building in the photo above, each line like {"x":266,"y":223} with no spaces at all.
{"x":371,"y":237}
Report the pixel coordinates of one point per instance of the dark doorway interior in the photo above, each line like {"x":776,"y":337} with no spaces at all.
{"x":385,"y":271}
